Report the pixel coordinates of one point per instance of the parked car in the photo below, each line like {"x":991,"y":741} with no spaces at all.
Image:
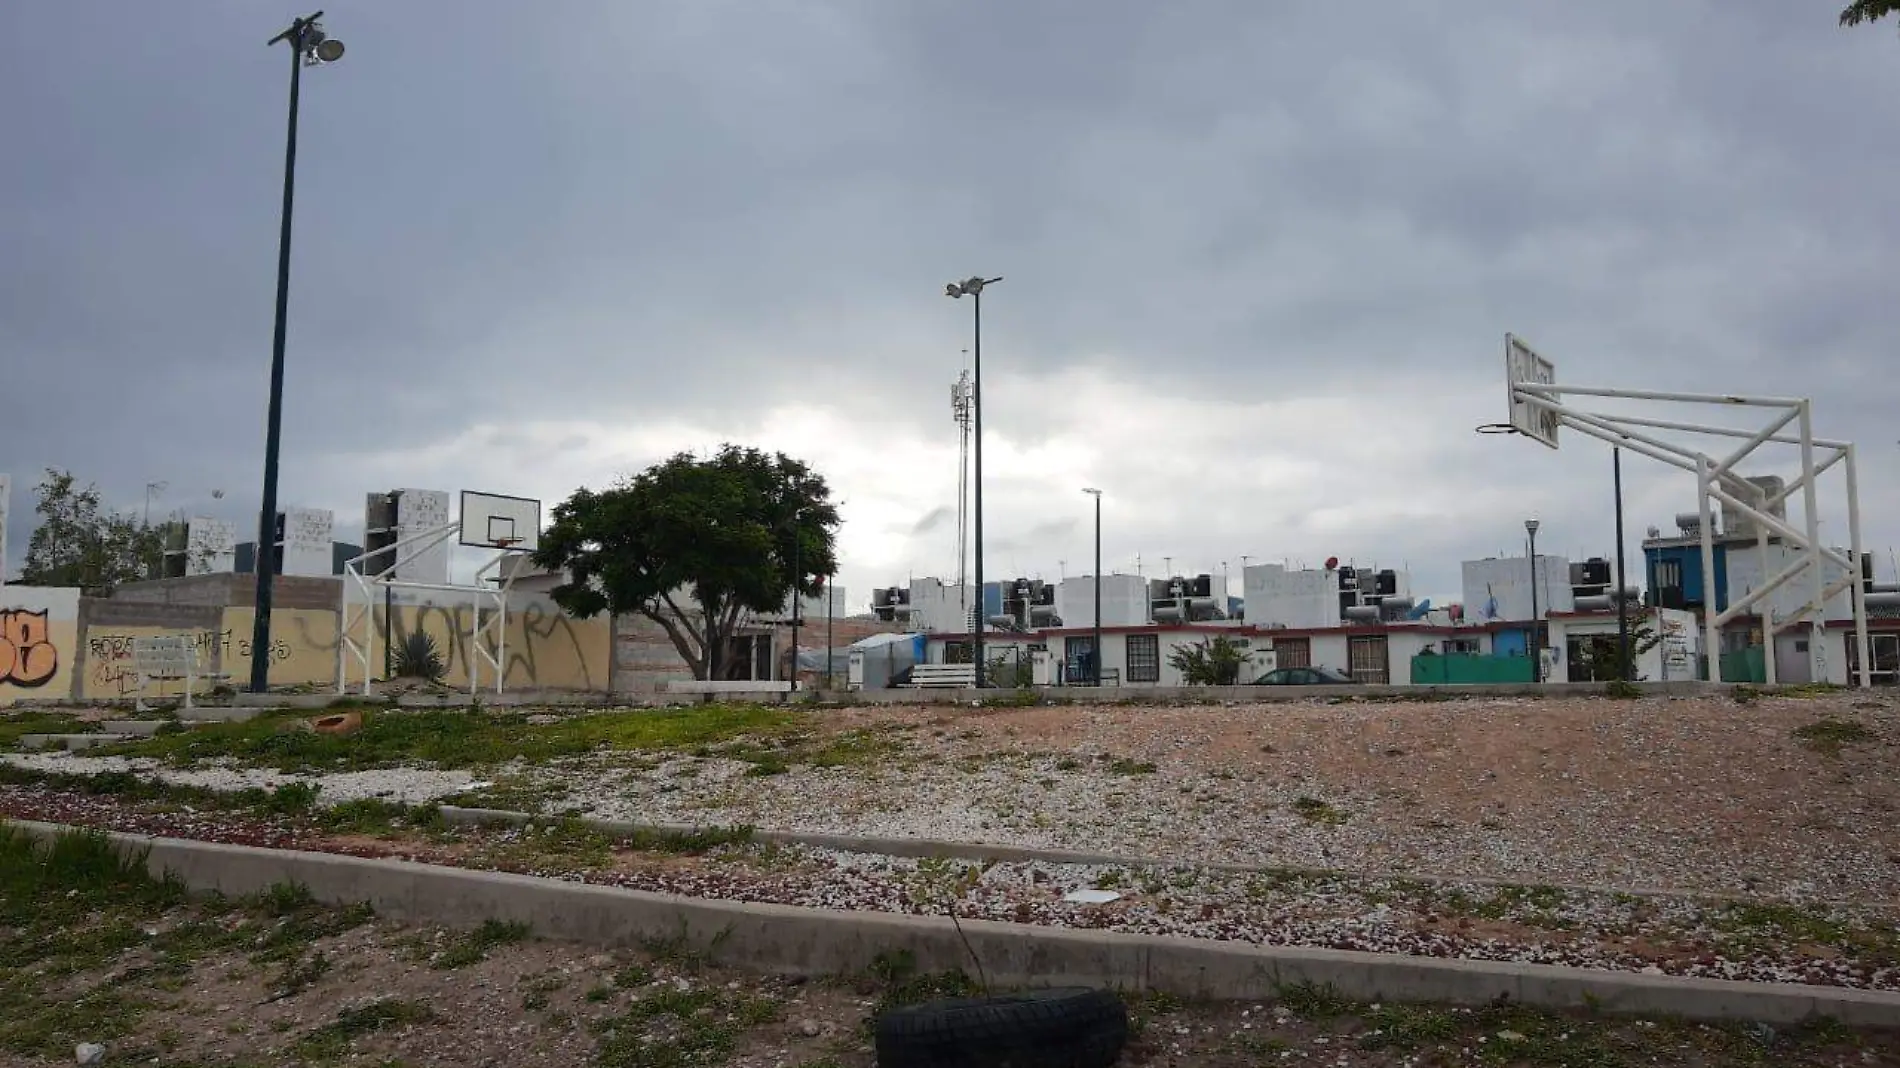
{"x":1304,"y":676}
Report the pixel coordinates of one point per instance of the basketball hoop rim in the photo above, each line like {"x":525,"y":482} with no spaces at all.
{"x":1496,"y":428}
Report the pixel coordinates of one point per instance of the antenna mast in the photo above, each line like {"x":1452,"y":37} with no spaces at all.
{"x":962,"y":408}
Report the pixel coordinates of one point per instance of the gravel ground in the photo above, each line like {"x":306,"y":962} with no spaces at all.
{"x":1691,"y":794}
{"x":1702,"y":794}
{"x":1853,"y":946}
{"x":404,"y":785}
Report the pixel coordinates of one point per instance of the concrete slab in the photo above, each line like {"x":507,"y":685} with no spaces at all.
{"x":138,"y":728}
{"x":70,"y":741}
{"x":787,"y":940}
{"x":211,"y":714}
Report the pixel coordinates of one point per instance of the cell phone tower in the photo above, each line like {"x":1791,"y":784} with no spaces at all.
{"x":963,"y":409}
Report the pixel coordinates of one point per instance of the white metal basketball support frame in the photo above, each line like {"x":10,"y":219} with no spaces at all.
{"x":361,"y":616}
{"x":1717,"y":481}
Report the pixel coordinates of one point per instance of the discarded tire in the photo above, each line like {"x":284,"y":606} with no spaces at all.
{"x":1069,"y":1027}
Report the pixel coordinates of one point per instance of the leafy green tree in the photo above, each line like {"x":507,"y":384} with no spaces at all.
{"x":79,"y":543}
{"x":1868,"y":11}
{"x":1215,"y":662}
{"x":696,"y":545}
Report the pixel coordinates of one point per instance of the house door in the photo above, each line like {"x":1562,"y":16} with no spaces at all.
{"x":1366,"y":660}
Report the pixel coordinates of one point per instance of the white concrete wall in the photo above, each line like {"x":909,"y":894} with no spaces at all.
{"x":211,"y":546}
{"x":1124,"y":601}
{"x":419,"y":511}
{"x":1745,"y":574}
{"x":1672,"y":659}
{"x":1507,"y":580}
{"x":1275,"y":596}
{"x":307,"y":542}
{"x":936,"y":609}
{"x":1115,"y":646}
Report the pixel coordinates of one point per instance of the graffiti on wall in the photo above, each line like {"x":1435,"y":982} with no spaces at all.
{"x":545,"y":647}
{"x":28,"y":658}
{"x":111,"y":672}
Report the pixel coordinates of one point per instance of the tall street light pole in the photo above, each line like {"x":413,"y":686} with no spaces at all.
{"x":972,"y":287}
{"x":309,"y":46}
{"x":1097,"y":494}
{"x":1537,"y":633}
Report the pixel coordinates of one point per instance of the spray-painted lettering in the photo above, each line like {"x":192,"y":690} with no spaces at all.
{"x":27,"y":656}
{"x":111,"y":671}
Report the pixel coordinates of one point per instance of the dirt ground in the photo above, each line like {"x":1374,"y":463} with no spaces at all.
{"x":345,"y":988}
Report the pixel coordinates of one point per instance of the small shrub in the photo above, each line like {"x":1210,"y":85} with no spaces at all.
{"x":1622,"y":690}
{"x":418,"y":657}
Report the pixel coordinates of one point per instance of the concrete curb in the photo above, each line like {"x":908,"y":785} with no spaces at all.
{"x":785,"y":940}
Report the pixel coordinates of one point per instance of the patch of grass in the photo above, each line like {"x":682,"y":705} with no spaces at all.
{"x":1315,"y":810}
{"x":14,"y":724}
{"x":1124,"y":766}
{"x":1622,"y":690}
{"x":291,"y":799}
{"x":332,"y":1040}
{"x":298,"y":975}
{"x":674,"y":1028}
{"x":456,"y":738}
{"x":1314,"y":1001}
{"x":473,"y":946}
{"x":1829,"y":736}
{"x":1407,"y":1027}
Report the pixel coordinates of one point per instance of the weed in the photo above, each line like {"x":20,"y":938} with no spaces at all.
{"x":333,"y":1039}
{"x":1622,"y":690}
{"x":1315,"y":810}
{"x":1124,"y":766}
{"x":292,"y":799}
{"x":672,"y":1028}
{"x":1828,"y":736}
{"x":1314,"y":1001}
{"x":598,"y":993}
{"x":899,"y":983}
{"x":299,"y":975}
{"x":1068,"y":764}
{"x":473,"y":946}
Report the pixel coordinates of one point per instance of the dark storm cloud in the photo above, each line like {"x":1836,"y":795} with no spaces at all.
{"x":624,"y":212}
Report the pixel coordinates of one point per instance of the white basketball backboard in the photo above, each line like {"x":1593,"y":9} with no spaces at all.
{"x":495,"y":521}
{"x":1522,"y":365}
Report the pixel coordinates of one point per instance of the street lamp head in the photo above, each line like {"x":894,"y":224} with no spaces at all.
{"x":969,"y":287}
{"x":1530,"y":527}
{"x":329,"y":50}
{"x":1091,"y":491}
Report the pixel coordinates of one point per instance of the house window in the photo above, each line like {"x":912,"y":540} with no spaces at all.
{"x":1461,"y":646}
{"x":1144,"y":658}
{"x":1366,"y":660}
{"x":1292,"y":652}
{"x":1669,"y":573}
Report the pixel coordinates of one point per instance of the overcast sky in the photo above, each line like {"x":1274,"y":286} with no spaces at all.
{"x":1259,"y":257}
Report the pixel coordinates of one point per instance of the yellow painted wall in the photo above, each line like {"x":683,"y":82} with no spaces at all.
{"x":38,"y":639}
{"x":303,"y":646}
{"x":544,"y":648}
